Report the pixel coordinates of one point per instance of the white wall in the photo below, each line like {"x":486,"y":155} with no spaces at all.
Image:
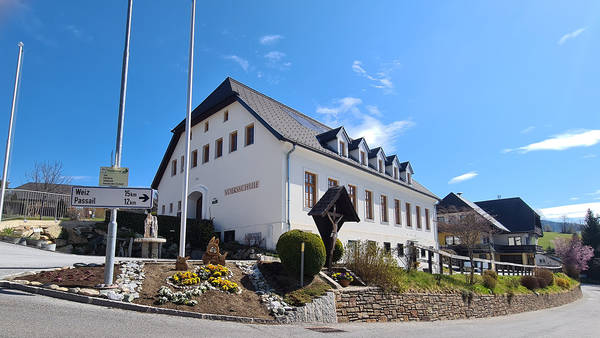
{"x":305,"y":160}
{"x":256,"y":210}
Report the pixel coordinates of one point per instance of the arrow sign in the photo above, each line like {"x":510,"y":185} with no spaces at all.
{"x":105,"y":197}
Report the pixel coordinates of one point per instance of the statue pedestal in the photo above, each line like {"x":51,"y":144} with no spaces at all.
{"x":154,"y":244}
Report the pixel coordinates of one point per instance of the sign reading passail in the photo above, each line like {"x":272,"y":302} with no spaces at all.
{"x":114,"y":177}
{"x":103,"y":197}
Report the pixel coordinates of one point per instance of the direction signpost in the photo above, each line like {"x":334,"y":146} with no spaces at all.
{"x":113,"y":177}
{"x":109,"y":197}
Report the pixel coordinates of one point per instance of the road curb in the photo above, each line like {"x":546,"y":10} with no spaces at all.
{"x":129,"y":306}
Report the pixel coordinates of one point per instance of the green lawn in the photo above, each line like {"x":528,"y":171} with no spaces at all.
{"x":549,"y":237}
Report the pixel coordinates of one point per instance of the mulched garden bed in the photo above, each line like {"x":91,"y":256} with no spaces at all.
{"x":75,"y":277}
{"x":246,"y":304}
{"x":288,"y":287}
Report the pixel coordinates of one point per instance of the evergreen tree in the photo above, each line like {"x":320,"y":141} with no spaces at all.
{"x":590,"y":233}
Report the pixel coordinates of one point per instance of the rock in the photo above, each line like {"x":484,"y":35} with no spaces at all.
{"x":52,"y":230}
{"x":74,"y":290}
{"x":65,"y":249}
{"x":34,"y":283}
{"x":53,"y":286}
{"x":75,"y":237}
{"x":89,"y":292}
{"x":60,"y":242}
{"x":21,"y":281}
{"x":62,"y":289}
{"x":129,"y":298}
{"x":114,"y":296}
{"x":104,"y":293}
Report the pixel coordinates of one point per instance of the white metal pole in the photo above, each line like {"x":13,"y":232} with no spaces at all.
{"x":10,"y":127}
{"x":188,"y":125}
{"x":111,"y":237}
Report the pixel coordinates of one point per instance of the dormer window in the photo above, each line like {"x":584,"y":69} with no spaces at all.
{"x":363,"y":158}
{"x":342,"y":149}
{"x":395,"y":173}
{"x":408,"y":178}
{"x":380,"y":163}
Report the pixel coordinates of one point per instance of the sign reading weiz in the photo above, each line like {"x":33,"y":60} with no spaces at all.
{"x":101,"y":197}
{"x":240,"y":188}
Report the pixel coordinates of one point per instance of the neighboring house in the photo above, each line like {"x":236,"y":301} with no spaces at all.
{"x":258,"y":166}
{"x":547,"y":261}
{"x":51,"y":188}
{"x":515,"y":227}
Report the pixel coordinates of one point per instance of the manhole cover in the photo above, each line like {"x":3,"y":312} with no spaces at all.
{"x":325,"y":329}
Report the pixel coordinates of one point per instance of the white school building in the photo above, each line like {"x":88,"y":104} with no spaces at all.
{"x":257,"y":166}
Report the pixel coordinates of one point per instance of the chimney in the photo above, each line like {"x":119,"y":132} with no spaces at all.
{"x":459,"y":193}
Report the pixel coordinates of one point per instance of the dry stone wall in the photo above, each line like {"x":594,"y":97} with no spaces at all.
{"x":374,"y":305}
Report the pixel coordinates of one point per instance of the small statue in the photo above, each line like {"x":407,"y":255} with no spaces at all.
{"x":148,"y":226}
{"x":212,"y":255}
{"x":181,"y":263}
{"x":154,"y":227}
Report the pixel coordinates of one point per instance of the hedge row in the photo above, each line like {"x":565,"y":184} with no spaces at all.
{"x":198,"y":232}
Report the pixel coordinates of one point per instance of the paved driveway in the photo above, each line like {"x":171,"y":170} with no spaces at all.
{"x":27,"y":315}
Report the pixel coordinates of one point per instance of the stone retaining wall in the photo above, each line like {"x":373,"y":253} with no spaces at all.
{"x":374,"y":305}
{"x":320,"y":310}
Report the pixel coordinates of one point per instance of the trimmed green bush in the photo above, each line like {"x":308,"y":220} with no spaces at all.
{"x":530,"y":282}
{"x":491,"y":273}
{"x":545,"y":277}
{"x":198,"y":232}
{"x":338,"y":251}
{"x":288,"y":248}
{"x":489,"y":281}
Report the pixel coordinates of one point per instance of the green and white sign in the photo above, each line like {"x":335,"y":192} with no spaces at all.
{"x":114,"y":177}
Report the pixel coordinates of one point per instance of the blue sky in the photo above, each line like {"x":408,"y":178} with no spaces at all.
{"x":485,"y":98}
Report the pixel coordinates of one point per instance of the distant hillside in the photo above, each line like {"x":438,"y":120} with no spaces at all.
{"x":557,"y":226}
{"x":547,"y":242}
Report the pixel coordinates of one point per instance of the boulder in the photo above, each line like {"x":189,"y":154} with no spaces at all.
{"x":52,"y":230}
{"x":75,"y":237}
{"x":89,"y":292}
{"x":60,"y":242}
{"x":66,"y":249}
{"x":34,"y":283}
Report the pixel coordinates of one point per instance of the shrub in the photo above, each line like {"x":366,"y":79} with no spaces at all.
{"x":512,"y":283}
{"x":338,"y":251}
{"x":545,"y":277}
{"x":288,"y":248}
{"x":489,"y":281}
{"x":491,"y":273}
{"x":373,"y":264}
{"x":571,"y":271}
{"x":563,"y":283}
{"x":530,"y":282}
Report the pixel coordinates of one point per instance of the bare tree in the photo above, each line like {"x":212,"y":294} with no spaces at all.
{"x":470,"y":228}
{"x":48,"y":176}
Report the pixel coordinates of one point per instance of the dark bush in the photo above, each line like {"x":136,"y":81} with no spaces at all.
{"x":571,"y":271}
{"x":198,"y":232}
{"x":288,"y":248}
{"x":338,"y":251}
{"x":545,"y":277}
{"x":593,"y":272}
{"x":491,"y":273}
{"x":530,"y":282}
{"x":489,"y":281}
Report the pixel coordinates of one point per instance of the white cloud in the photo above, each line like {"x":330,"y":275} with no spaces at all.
{"x":527,"y":130}
{"x":80,"y":178}
{"x":564,"y":141}
{"x":358,"y":124}
{"x":573,"y":198}
{"x":571,"y":35}
{"x":570,"y":211}
{"x":270,"y":39}
{"x":275,"y":55}
{"x":374,"y":110}
{"x":275,"y":59}
{"x":589,"y":156}
{"x":381,"y":80}
{"x":463,"y":177}
{"x":597,"y":192}
{"x":240,"y":61}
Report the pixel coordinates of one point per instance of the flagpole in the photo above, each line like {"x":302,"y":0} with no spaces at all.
{"x":111,"y":236}
{"x":10,"y":126}
{"x":188,"y":125}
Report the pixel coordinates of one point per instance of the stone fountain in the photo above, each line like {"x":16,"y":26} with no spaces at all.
{"x":151,"y":244}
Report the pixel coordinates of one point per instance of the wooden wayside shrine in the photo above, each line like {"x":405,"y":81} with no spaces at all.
{"x":329,"y":214}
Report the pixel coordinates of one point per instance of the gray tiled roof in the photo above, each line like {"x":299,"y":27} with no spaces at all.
{"x":284,"y":122}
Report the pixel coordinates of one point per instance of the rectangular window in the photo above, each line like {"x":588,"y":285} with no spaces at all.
{"x":226,"y":116}
{"x":249,"y":135}
{"x":182,"y":164}
{"x":219,"y":148}
{"x":408,"y":215}
{"x":205,"y":126}
{"x":423,"y":253}
{"x":352,"y":194}
{"x":368,"y":205}
{"x":514,"y":241}
{"x":397,"y":212}
{"x":342,"y":148}
{"x":384,"y":209}
{"x":163,"y":209}
{"x":229,"y":236}
{"x":418,"y":212}
{"x":332,"y":183}
{"x":387,"y":247}
{"x":427,"y":223}
{"x":170,"y":208}
{"x":400,"y":249}
{"x":233,"y":142}
{"x":174,"y":168}
{"x":195,"y":158}
{"x":363,"y":159}
{"x":452,"y":240}
{"x":310,"y":189}
{"x":441,"y":219}
{"x":395,"y":173}
{"x":205,"y":153}
{"x":178,"y":205}
{"x":380,"y":166}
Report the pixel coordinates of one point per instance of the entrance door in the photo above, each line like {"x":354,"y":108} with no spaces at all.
{"x":199,"y":208}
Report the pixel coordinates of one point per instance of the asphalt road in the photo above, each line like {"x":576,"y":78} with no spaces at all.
{"x":27,"y":315}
